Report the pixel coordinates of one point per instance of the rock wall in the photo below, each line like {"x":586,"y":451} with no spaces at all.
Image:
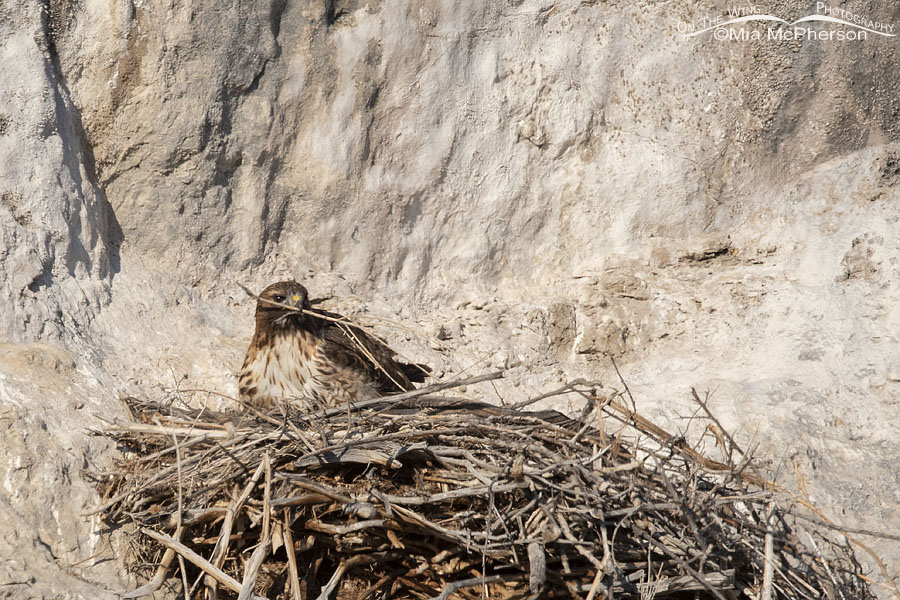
{"x":56,"y":221}
{"x":365,"y":138}
{"x":542,"y":183}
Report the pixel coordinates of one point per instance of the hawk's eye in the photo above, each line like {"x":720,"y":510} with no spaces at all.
{"x":278,"y":298}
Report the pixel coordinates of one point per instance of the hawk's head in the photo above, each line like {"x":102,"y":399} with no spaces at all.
{"x":270,"y":309}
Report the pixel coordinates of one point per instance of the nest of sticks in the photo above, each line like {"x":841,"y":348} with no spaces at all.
{"x":428,"y":496}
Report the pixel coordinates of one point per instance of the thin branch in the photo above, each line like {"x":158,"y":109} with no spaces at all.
{"x":265,"y":538}
{"x":292,"y":558}
{"x":226,"y":580}
{"x":768,"y":571}
{"x":622,"y":380}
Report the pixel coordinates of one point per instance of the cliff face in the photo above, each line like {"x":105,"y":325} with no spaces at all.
{"x":543,"y":182}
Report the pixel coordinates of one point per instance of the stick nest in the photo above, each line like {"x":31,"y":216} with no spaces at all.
{"x":435,"y":497}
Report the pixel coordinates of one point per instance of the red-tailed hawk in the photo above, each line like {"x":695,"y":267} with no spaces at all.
{"x":297,"y":355}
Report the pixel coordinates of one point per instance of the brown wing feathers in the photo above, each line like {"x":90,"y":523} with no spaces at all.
{"x":352,"y":347}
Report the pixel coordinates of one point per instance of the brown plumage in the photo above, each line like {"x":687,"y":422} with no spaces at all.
{"x":300,"y":356}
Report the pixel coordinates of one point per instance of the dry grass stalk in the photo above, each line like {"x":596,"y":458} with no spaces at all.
{"x":431,"y":497}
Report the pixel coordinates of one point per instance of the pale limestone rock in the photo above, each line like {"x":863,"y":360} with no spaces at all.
{"x":519,"y":182}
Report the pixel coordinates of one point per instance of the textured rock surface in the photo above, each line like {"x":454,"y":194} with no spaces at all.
{"x":535,"y":182}
{"x":56,"y":220}
{"x":49,"y":402}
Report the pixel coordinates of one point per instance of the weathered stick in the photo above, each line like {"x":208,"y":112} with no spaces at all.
{"x":292,"y":558}
{"x":766,"y":593}
{"x":452,"y":587}
{"x":158,"y":578}
{"x":265,"y":538}
{"x":226,"y":580}
{"x":394,"y":399}
{"x":221,"y":549}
